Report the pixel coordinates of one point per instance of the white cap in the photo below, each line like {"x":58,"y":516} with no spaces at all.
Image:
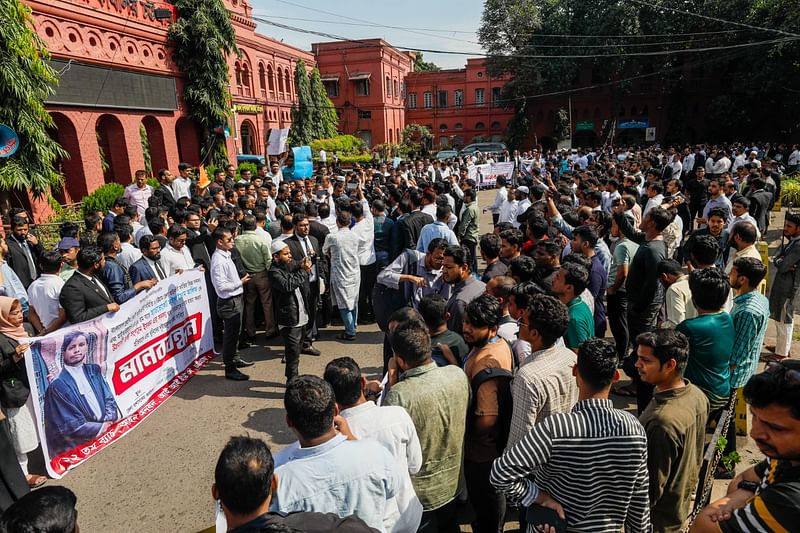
{"x":277,"y":246}
{"x":523,"y":189}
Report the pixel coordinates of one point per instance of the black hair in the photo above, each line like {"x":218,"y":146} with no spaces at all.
{"x":344,"y":376}
{"x":68,"y":229}
{"x":552,"y":248}
{"x":751,"y":268}
{"x":124,"y":233}
{"x":502,"y":286}
{"x":705,"y":250}
{"x":484,"y":312}
{"x":312,"y":210}
{"x":578,"y":259}
{"x":744,"y":201}
{"x":442,"y":211}
{"x":537,"y":225}
{"x":776,"y":386}
{"x":49,"y":509}
{"x":310,"y":405}
{"x":243,"y":475}
{"x":656,"y":186}
{"x":249,"y":223}
{"x":718,"y":212}
{"x":146,"y":241}
{"x":175,"y":231}
{"x":597,"y":362}
{"x":514,"y":237}
{"x":710,"y":288}
{"x":460,"y":254}
{"x":746,"y":231}
{"x":490,"y":245}
{"x":50,"y":261}
{"x":667,"y":344}
{"x":661,"y":217}
{"x":669,"y":266}
{"x":18,"y":221}
{"x":106,"y":240}
{"x":121,"y":202}
{"x":411,"y":341}
{"x":343,"y":219}
{"x":547,"y":315}
{"x":575,"y":275}
{"x":586,"y":233}
{"x":522,"y":267}
{"x":156,"y":225}
{"x":220,"y":233}
{"x":88,"y":256}
{"x":433,"y":310}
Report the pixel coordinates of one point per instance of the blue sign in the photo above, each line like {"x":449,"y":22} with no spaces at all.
{"x":633,"y":124}
{"x":303,"y":164}
{"x":9,"y":141}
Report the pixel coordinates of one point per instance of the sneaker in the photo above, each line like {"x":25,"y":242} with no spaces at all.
{"x":235,"y":375}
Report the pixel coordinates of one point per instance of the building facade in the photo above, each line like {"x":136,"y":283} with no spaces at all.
{"x":119,"y":99}
{"x":366,"y":81}
{"x":458,"y":106}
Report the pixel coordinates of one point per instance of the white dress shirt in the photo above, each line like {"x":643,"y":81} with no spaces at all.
{"x":365,"y":231}
{"x":181,"y":187}
{"x":128,"y":255}
{"x":224,"y":276}
{"x":43,"y":296}
{"x":173,"y":260}
{"x":84,"y":387}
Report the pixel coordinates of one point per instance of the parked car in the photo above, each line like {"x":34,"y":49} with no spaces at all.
{"x":250,"y":158}
{"x":483,"y":148}
{"x":441,"y":155}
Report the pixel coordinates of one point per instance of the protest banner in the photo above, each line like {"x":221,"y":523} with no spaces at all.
{"x":278,"y":138}
{"x":487,"y":174}
{"x":92,"y":383}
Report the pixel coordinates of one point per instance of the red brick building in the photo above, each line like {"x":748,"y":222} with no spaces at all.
{"x":366,"y":81}
{"x":117,"y":77}
{"x":459,"y":106}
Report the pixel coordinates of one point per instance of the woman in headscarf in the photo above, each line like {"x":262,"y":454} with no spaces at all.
{"x":13,"y":344}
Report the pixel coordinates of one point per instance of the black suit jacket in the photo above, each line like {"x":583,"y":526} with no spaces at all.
{"x":140,"y":270}
{"x":759,"y":208}
{"x":319,"y":230}
{"x":411,"y":227}
{"x":18,"y":260}
{"x":165,"y":196}
{"x":82,"y":300}
{"x":297,"y":254}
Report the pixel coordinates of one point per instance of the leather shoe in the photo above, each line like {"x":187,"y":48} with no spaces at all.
{"x":243,"y":344}
{"x":310,"y":350}
{"x":242,"y":363}
{"x":235,"y":375}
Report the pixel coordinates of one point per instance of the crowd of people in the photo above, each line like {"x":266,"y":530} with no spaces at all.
{"x":497,"y":378}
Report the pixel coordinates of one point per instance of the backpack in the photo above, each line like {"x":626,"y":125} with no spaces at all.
{"x":505,"y":400}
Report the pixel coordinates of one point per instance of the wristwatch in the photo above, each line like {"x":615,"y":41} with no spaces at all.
{"x":751,"y":486}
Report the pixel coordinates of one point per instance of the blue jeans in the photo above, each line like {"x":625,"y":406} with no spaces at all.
{"x":349,"y":317}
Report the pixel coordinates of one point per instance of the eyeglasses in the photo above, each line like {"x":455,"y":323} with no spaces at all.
{"x":790,"y":374}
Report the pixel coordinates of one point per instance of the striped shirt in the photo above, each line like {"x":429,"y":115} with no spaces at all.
{"x":774,"y":506}
{"x":592,"y":460}
{"x":750,"y":316}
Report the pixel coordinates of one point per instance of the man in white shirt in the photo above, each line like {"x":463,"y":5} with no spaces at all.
{"x":721,"y":165}
{"x":508,"y":210}
{"x":752,"y":159}
{"x":175,"y":255}
{"x":275,"y":172}
{"x":139,"y":192}
{"x":45,"y":312}
{"x":523,"y":203}
{"x":794,"y":159}
{"x":182,"y":184}
{"x":229,"y":288}
{"x":740,"y":207}
{"x":739,"y":161}
{"x":128,"y":254}
{"x":389,"y":425}
{"x":499,"y":198}
{"x":655,"y":197}
{"x":364,"y":229}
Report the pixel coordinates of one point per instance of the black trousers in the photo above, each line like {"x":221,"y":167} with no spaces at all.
{"x":441,"y":520}
{"x":230,"y":312}
{"x":473,"y":262}
{"x":489,"y":504}
{"x":369,"y":273}
{"x":310,"y":329}
{"x":292,"y":342}
{"x":640,"y":321}
{"x":695,"y":211}
{"x":617,"y":309}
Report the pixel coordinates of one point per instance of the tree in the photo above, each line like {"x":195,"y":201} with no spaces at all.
{"x":323,"y":114}
{"x":424,"y":66}
{"x":25,"y":83}
{"x":302,"y":131}
{"x":203,"y":38}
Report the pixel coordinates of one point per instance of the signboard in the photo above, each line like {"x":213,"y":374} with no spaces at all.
{"x":278,"y":139}
{"x":9,"y":141}
{"x":650,"y":134}
{"x":633,"y":124}
{"x":584,"y":126}
{"x":250,"y":109}
{"x":92,"y":383}
{"x":486,"y":175}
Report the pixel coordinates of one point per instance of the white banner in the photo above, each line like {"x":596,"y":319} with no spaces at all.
{"x":93,"y":382}
{"x":278,"y":138}
{"x":488,"y":173}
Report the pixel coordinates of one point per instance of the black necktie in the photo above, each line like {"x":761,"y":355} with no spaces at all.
{"x":160,"y":271}
{"x":100,"y":286}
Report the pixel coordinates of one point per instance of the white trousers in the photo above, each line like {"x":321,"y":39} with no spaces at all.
{"x":783,"y":337}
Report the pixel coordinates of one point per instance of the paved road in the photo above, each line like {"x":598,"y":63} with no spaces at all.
{"x":159,"y":477}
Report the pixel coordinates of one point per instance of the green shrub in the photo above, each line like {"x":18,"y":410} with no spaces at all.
{"x":153,"y":183}
{"x":242,"y":166}
{"x":102,"y":198}
{"x":341,"y":144}
{"x":363,"y":158}
{"x":790,"y":192}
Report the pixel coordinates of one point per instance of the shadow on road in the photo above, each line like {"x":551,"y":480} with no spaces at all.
{"x":272,"y":421}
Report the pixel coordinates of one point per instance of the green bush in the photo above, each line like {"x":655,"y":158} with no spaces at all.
{"x":363,"y":158}
{"x":790,"y":192}
{"x":102,"y":198}
{"x":153,"y":183}
{"x":242,"y":166}
{"x":342,"y":144}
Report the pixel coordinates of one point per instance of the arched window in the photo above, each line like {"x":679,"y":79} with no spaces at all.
{"x":262,"y":80}
{"x":391,"y":135}
{"x":459,"y":126}
{"x":443,"y":127}
{"x":288,"y":82}
{"x":270,"y":79}
{"x":388,"y":86}
{"x":495,"y":125}
{"x":480,"y":126}
{"x":246,"y":79}
{"x":238,"y":77}
{"x":280,"y":80}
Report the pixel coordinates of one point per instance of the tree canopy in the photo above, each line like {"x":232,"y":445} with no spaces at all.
{"x":25,"y":83}
{"x":756,"y":50}
{"x":420,"y":65}
{"x":204,"y":37}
